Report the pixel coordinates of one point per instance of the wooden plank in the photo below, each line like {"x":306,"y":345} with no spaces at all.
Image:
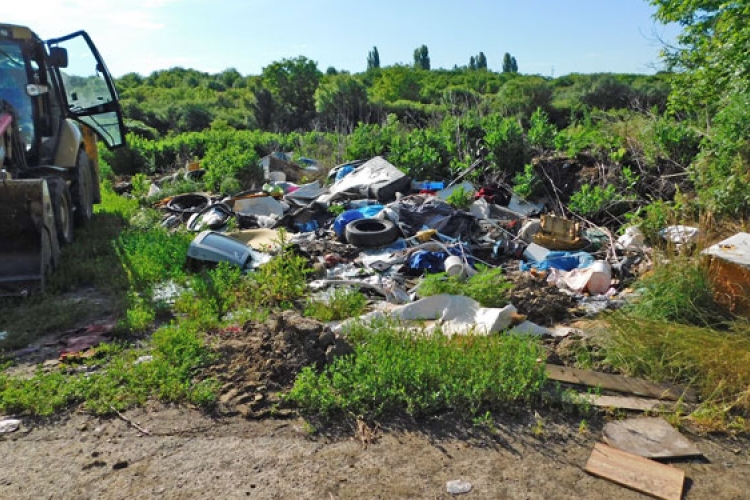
{"x":637,"y":473}
{"x":649,"y":437}
{"x":618,"y":383}
{"x":633,"y":403}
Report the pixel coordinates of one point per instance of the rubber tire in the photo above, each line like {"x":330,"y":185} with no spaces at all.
{"x":369,"y":233}
{"x":83,"y":192}
{"x":62,"y":205}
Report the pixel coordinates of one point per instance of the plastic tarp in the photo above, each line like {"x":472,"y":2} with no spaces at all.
{"x":453,"y":315}
{"x":565,"y":261}
{"x":375,"y":179}
{"x":414,"y":213}
{"x":260,"y":205}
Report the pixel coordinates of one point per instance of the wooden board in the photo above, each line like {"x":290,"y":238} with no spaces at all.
{"x":634,"y":403}
{"x":637,"y":473}
{"x":618,"y":383}
{"x":649,"y":437}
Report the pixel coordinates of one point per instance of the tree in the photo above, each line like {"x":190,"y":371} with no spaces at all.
{"x":481,"y":61}
{"x":711,"y":54}
{"x":331,"y":71}
{"x":422,"y":58}
{"x":509,"y":64}
{"x":507,"y":68}
{"x":472,"y":63}
{"x":341,"y":103}
{"x":396,"y":83}
{"x":523,"y":95}
{"x":293,"y":83}
{"x":373,"y":59}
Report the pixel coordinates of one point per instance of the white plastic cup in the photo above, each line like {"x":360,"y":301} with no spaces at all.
{"x":601,"y":278}
{"x":454,"y":266}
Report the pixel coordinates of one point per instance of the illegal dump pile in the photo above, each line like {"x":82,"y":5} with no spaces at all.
{"x":381,"y":252}
{"x":282,"y":280}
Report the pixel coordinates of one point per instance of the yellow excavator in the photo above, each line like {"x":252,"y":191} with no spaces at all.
{"x":52,"y":111}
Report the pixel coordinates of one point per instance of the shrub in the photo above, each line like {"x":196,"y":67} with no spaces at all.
{"x":526,"y":184}
{"x":342,"y":303}
{"x":460,"y":198}
{"x":488,"y":287}
{"x":541,"y":132}
{"x":396,"y":371}
{"x":505,"y":142}
{"x":591,"y":200}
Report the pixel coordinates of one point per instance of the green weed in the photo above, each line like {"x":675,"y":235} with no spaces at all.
{"x":526,"y":184}
{"x":342,"y":303}
{"x":678,"y":291}
{"x":715,"y":362}
{"x":461,"y":198}
{"x":591,"y":200}
{"x":120,"y":382}
{"x":397,"y":371}
{"x":541,"y":132}
{"x":282,"y":280}
{"x":488,"y":287}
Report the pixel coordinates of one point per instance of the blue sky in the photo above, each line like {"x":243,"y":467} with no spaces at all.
{"x":547,"y":37}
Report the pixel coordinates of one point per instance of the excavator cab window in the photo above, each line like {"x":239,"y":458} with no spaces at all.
{"x":89,"y":90}
{"x":13,"y":82}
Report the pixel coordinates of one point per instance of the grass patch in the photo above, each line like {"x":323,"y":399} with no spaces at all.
{"x":488,"y":287}
{"x":715,"y":362}
{"x":341,"y":303}
{"x":394,"y":371}
{"x":178,"y":353}
{"x":679,"y":291}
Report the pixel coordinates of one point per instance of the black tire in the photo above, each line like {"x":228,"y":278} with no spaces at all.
{"x":62,"y":205}
{"x":83,"y":190}
{"x":368,"y":233}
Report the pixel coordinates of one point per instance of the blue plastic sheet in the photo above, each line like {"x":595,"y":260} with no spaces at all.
{"x":433,"y":262}
{"x":565,"y":261}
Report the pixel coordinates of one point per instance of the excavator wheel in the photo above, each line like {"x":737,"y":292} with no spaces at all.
{"x":62,"y":205}
{"x":83,"y":192}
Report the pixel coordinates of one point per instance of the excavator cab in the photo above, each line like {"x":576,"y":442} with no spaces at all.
{"x":56,"y":98}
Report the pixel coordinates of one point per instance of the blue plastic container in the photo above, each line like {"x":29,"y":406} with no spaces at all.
{"x":427,"y":185}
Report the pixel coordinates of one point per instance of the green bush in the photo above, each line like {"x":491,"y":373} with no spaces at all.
{"x":342,"y":303}
{"x":178,"y":353}
{"x":488,"y":287}
{"x":541,"y":132}
{"x":679,"y":291}
{"x":505,"y":142}
{"x":591,"y":200}
{"x":460,"y":198}
{"x":526,"y":184}
{"x":422,"y":154}
{"x":395,"y":371}
{"x":720,"y":172}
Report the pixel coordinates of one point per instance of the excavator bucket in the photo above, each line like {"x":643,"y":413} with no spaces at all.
{"x":29,"y":249}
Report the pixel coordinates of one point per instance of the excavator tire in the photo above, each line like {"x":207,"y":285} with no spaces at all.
{"x":62,"y":205}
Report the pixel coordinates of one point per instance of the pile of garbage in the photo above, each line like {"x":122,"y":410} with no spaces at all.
{"x":370,"y":226}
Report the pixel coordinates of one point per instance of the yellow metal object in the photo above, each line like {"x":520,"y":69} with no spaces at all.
{"x":426,"y":235}
{"x":89,"y":143}
{"x":557,"y":233}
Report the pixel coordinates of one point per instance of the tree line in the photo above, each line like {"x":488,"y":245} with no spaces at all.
{"x":295,"y":95}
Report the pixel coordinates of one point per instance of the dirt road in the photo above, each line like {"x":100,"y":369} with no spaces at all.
{"x":191,"y":456}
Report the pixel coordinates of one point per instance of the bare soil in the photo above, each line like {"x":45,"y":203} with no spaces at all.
{"x":191,"y":455}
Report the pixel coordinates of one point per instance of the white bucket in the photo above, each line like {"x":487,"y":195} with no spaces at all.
{"x":454,"y":266}
{"x":601,"y":278}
